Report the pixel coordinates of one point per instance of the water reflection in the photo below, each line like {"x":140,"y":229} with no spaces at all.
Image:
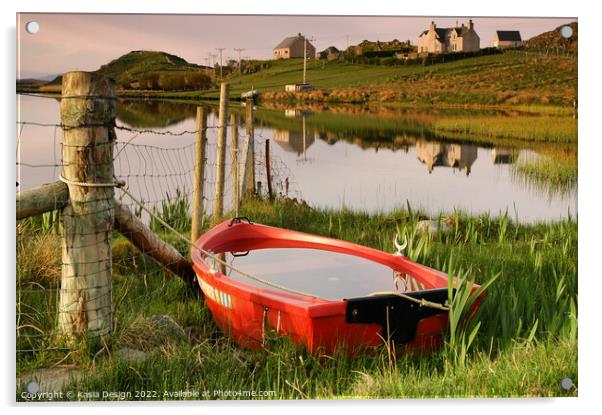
{"x":503,"y":155}
{"x":295,"y":141}
{"x":153,"y":113}
{"x":323,"y":273}
{"x":362,"y":161}
{"x":456,"y":156}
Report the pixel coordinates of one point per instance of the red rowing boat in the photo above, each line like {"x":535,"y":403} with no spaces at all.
{"x":315,"y":290}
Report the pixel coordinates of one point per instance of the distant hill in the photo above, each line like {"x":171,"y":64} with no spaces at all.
{"x":30,"y":81}
{"x":150,"y":70}
{"x":38,"y":79}
{"x":553,"y":40}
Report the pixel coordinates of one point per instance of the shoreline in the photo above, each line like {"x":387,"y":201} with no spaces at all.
{"x":299,"y":101}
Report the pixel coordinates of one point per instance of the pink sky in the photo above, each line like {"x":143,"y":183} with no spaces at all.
{"x":86,"y":41}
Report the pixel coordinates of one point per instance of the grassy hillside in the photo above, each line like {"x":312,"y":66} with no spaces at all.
{"x":149,"y":70}
{"x":508,"y":79}
{"x":553,"y":40}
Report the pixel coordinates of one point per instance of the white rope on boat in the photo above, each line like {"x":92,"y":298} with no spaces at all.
{"x":420,"y":301}
{"x":122,"y":185}
{"x":216,"y":258}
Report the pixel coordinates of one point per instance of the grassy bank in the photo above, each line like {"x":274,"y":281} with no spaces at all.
{"x":482,"y":127}
{"x":526,"y":343}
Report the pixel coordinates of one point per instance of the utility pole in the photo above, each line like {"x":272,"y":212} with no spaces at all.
{"x":212,"y":56}
{"x":305,"y":58}
{"x":221,"y":73}
{"x":239,"y":50}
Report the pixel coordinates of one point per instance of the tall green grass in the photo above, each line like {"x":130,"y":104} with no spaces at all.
{"x":550,"y":129}
{"x":175,"y":211}
{"x":521,"y":342}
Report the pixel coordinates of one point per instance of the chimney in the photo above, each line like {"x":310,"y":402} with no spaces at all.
{"x":470,"y":24}
{"x":433,"y":26}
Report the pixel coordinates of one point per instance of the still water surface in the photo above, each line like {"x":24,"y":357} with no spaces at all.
{"x":373,"y":170}
{"x":326,"y":274}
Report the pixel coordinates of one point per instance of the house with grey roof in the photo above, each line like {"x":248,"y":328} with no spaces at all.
{"x":294,"y":47}
{"x":449,"y":39}
{"x":329,"y":53}
{"x":507,"y":39}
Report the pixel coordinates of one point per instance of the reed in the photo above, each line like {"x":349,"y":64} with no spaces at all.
{"x":175,"y":210}
{"x":528,"y":128}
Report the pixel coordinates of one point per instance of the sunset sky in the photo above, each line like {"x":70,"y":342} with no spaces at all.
{"x":86,"y":41}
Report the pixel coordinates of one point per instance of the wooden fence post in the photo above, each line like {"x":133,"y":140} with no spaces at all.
{"x":200,"y":159}
{"x":248,"y":177}
{"x":268,"y":168}
{"x":234,"y":158}
{"x":88,"y":116}
{"x":220,"y":164}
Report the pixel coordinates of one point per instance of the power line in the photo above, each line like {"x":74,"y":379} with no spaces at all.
{"x":239,"y":50}
{"x":221,"y":73}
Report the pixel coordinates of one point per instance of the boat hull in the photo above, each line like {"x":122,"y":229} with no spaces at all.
{"x":250,"y":314}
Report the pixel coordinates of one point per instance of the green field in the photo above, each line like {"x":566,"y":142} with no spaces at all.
{"x":525,"y":338}
{"x":510,"y":79}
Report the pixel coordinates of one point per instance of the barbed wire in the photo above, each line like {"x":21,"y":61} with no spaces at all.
{"x":124,"y":128}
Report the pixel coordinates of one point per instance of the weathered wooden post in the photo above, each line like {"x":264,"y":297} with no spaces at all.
{"x":41,"y":199}
{"x":87,"y":115}
{"x":220,"y":164}
{"x":259,"y":188}
{"x":200,"y":159}
{"x":247,"y":183}
{"x":234,"y":158}
{"x":268,"y":168}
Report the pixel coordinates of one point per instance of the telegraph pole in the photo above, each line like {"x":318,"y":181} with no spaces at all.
{"x":305,"y":58}
{"x":221,"y":74}
{"x":239,"y":50}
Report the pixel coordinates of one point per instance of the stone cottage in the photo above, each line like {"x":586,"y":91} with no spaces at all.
{"x":449,"y":39}
{"x":507,"y":39}
{"x":293,"y":47}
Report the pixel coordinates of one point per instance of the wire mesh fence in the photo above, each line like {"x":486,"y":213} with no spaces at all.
{"x":157,"y":166}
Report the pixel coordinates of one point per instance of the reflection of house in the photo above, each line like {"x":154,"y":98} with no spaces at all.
{"x":507,"y":39}
{"x":294,"y":112}
{"x":502,"y":155}
{"x":434,"y":154}
{"x":294,"y":47}
{"x":449,"y":39}
{"x":293,"y":141}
